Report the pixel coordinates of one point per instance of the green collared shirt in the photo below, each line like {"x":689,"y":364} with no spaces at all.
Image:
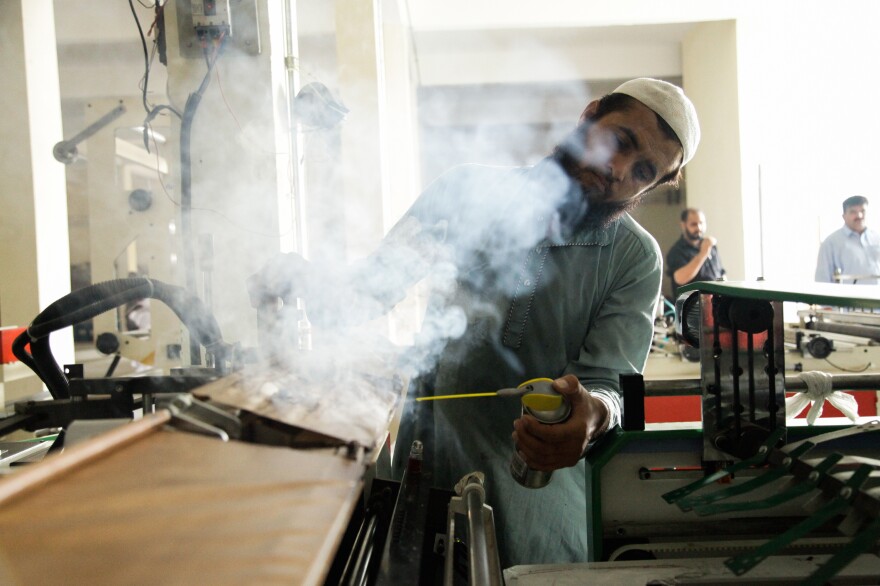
{"x":518,"y":300}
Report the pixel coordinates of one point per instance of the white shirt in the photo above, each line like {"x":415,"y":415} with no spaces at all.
{"x":852,"y":253}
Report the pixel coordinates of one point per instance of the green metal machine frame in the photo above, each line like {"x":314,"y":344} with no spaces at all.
{"x":743,"y":390}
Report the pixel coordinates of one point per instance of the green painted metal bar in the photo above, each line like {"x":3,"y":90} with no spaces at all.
{"x":775,"y":473}
{"x":758,"y":459}
{"x":813,"y":293}
{"x":598,"y":457}
{"x":741,"y":564}
{"x":865,"y":540}
{"x":798,"y":489}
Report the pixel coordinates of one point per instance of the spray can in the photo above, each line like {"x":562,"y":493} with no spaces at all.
{"x":520,"y":471}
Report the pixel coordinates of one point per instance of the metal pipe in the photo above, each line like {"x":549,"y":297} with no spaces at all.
{"x":735,"y":373}
{"x":477,"y":550}
{"x":483,"y":564}
{"x":691,"y":386}
{"x":772,"y":371}
{"x":294,"y":143}
{"x":448,"y":566}
{"x":860,"y":330}
{"x":66,"y":151}
{"x":356,"y":573}
{"x":855,"y":382}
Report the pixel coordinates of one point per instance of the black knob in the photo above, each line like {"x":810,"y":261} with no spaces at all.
{"x":107,"y":343}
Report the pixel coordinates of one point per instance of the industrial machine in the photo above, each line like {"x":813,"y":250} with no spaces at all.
{"x":254,"y":467}
{"x":251,"y":470}
{"x":835,"y":338}
{"x":226,"y":464}
{"x":744,"y":496}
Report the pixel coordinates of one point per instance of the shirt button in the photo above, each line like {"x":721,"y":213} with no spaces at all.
{"x":527,"y":283}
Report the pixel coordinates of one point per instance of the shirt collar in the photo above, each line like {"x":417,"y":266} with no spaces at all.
{"x":850,"y":232}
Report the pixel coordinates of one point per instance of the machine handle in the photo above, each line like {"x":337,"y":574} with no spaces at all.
{"x":65,"y":151}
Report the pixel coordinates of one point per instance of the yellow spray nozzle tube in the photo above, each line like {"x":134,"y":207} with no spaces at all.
{"x":459,"y":396}
{"x":536,"y":394}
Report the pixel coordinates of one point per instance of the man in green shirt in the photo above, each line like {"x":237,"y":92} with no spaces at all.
{"x":533,"y":272}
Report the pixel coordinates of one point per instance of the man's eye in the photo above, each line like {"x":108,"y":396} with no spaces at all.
{"x":643,"y":173}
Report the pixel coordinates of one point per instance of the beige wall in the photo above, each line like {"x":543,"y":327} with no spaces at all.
{"x":785,"y":86}
{"x":714,"y":176}
{"x":808,"y":119}
{"x":242,"y":194}
{"x":34,"y":254}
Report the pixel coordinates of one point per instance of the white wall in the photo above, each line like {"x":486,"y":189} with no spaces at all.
{"x":714,"y":177}
{"x":784,"y":85}
{"x":241,"y":174}
{"x":34,"y":254}
{"x":504,"y":14}
{"x":802,"y":107}
{"x":809,"y":119}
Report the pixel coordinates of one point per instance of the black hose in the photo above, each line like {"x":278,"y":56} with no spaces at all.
{"x":20,"y":352}
{"x":88,"y":302}
{"x":49,"y":371}
{"x":93,"y":300}
{"x":201,"y":324}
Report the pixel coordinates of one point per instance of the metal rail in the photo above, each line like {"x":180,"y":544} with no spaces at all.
{"x":484,"y":568}
{"x":691,"y":386}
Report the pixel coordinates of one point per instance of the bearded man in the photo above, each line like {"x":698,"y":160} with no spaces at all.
{"x":694,"y":256}
{"x":533,"y":272}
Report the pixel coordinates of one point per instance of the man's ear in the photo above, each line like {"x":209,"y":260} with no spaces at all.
{"x":589,"y":111}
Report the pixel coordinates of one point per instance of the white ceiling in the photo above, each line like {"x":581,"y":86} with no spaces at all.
{"x":491,"y":41}
{"x":483,"y":39}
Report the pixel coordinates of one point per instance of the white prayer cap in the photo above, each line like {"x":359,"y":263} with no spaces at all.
{"x":669,"y":102}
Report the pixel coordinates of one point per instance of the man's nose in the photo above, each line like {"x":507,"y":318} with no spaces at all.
{"x":620,"y":165}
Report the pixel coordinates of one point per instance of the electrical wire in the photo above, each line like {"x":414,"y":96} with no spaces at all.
{"x":232,"y":222}
{"x":863,"y":369}
{"x":152,"y":111}
{"x":189,"y":113}
{"x":241,"y":132}
{"x":146,"y":78}
{"x":228,"y":107}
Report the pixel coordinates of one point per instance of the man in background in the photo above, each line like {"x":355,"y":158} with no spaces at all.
{"x":851,"y":254}
{"x":694,"y":256}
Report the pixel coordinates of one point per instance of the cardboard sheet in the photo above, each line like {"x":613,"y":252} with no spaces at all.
{"x":178,"y":508}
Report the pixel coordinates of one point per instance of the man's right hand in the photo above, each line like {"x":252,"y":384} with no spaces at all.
{"x":707,"y":243}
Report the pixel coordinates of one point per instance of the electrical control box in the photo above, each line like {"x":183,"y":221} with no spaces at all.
{"x":211,"y":18}
{"x":201,"y":20}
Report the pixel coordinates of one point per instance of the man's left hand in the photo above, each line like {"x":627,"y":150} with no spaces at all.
{"x":560,"y":445}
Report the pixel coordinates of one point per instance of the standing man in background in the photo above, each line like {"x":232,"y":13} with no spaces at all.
{"x":853,"y":251}
{"x":694,"y":256}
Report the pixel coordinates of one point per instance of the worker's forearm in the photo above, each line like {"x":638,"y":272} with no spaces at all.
{"x":690,"y":270}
